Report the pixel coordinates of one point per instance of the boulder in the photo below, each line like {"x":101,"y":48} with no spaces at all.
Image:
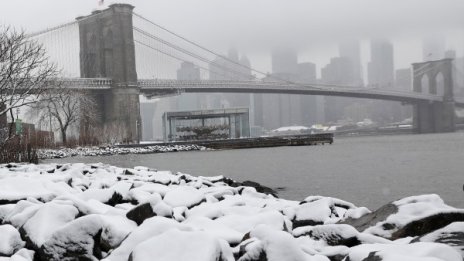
{"x":140,"y":213}
{"x":317,"y":210}
{"x":451,"y":235}
{"x":408,"y":217}
{"x":10,"y":240}
{"x":397,"y":252}
{"x":182,"y":246}
{"x":78,"y":240}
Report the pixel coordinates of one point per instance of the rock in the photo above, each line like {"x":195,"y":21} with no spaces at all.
{"x":182,"y":246}
{"x":148,"y":229}
{"x":184,"y":197}
{"x":140,"y":213}
{"x":49,"y":218}
{"x":400,"y":252}
{"x":408,"y":217}
{"x":451,"y":235}
{"x":337,"y":235}
{"x":10,"y":240}
{"x":428,"y":224}
{"x":371,"y":219}
{"x":260,"y":188}
{"x":320,"y":210}
{"x":266,"y":243}
{"x":78,"y":240}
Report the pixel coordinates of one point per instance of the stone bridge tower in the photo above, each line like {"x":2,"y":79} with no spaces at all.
{"x":432,"y":117}
{"x":107,"y":51}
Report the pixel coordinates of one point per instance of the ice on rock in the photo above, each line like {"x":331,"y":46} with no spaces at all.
{"x":182,"y":246}
{"x":10,"y":240}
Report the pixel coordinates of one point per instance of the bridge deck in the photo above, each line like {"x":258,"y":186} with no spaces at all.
{"x":164,"y":87}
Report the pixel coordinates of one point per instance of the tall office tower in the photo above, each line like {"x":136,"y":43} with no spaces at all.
{"x":381,"y":67}
{"x":311,"y":109}
{"x":285,"y":67}
{"x":340,"y":71}
{"x":381,"y":75}
{"x":433,"y":47}
{"x":188,"y":101}
{"x":351,"y":50}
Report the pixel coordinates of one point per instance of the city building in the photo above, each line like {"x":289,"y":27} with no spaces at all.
{"x":188,"y":101}
{"x":206,"y":124}
{"x":341,"y":71}
{"x":147,"y":114}
{"x":381,"y":66}
{"x":351,"y":50}
{"x":312,"y":107}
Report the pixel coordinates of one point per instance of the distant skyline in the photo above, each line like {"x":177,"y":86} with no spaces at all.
{"x":313,"y":27}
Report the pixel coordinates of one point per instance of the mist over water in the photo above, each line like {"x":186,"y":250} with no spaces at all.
{"x":368,"y":171}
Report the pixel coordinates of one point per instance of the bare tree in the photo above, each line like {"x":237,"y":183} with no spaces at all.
{"x":25,"y":71}
{"x":65,"y":108}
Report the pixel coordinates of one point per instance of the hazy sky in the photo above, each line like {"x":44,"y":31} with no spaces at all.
{"x":256,"y":26}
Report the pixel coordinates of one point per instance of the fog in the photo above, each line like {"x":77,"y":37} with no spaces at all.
{"x":254,"y":27}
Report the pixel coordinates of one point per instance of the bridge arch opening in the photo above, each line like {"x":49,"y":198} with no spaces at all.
{"x":439,"y":84}
{"x":425,"y":84}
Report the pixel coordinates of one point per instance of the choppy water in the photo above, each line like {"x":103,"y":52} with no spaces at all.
{"x":368,"y":171}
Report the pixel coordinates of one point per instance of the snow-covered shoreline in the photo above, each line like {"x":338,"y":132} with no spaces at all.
{"x":102,"y":212}
{"x":110,"y":150}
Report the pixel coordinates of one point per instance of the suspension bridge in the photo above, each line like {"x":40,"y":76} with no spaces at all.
{"x":115,"y":55}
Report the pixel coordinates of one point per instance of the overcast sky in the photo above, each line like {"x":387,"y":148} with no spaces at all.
{"x":256,"y":26}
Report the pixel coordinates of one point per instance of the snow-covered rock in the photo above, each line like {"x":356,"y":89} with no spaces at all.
{"x":101,"y":212}
{"x":410,"y":252}
{"x":183,"y":246}
{"x":10,"y":240}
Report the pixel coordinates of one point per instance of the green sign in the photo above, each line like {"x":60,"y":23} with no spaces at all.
{"x":19,"y":127}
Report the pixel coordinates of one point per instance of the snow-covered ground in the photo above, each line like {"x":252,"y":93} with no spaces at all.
{"x":102,"y":151}
{"x":102,"y":212}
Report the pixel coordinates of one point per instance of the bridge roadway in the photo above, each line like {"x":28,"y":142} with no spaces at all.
{"x":157,"y":87}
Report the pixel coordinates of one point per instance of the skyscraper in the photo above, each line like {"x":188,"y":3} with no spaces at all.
{"x":381,"y":67}
{"x":188,"y":101}
{"x":351,"y":50}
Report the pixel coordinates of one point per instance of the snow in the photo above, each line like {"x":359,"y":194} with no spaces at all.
{"x":182,"y":246}
{"x":183,"y":196}
{"x":10,"y":240}
{"x":49,"y":218}
{"x":410,"y":252}
{"x":79,"y":211}
{"x":412,"y":209}
{"x":105,"y":151}
{"x":291,"y":128}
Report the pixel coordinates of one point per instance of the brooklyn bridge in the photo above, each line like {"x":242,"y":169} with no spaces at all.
{"x":116,"y":55}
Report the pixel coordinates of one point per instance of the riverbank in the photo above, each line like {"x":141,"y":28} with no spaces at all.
{"x":111,"y":150}
{"x":97,"y":211}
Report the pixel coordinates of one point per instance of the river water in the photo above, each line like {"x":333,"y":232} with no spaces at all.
{"x":368,"y":171}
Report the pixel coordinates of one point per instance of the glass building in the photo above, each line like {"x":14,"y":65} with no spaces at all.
{"x":206,"y":124}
